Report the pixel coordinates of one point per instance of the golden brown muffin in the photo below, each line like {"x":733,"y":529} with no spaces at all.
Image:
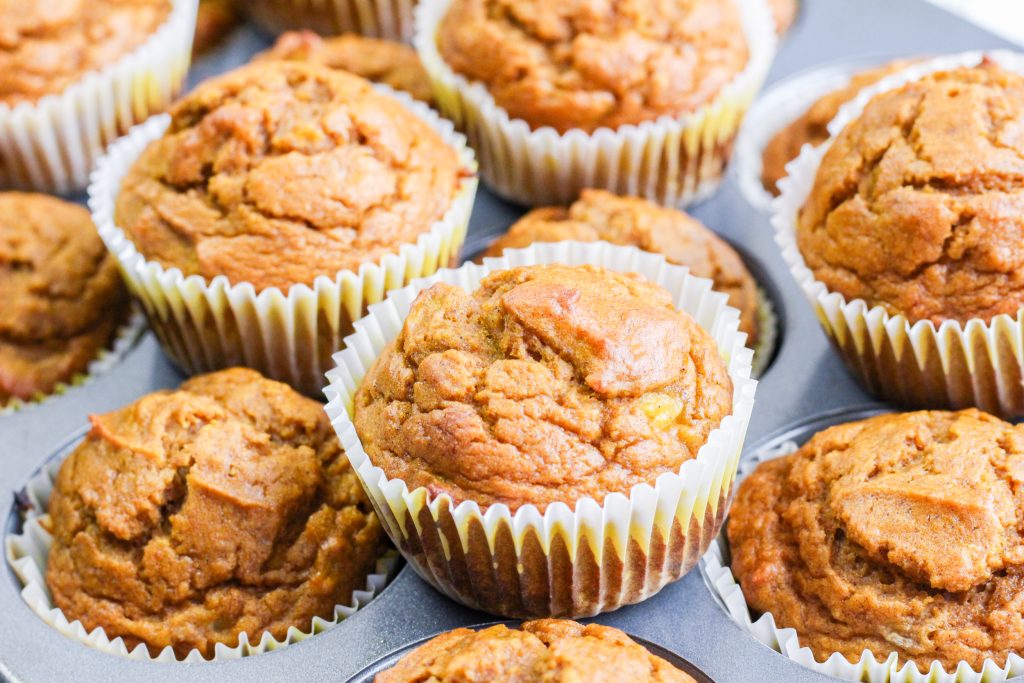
{"x":61,"y":297}
{"x":784,"y":14}
{"x":919,"y":204}
{"x":196,"y":514}
{"x":812,"y":126}
{"x":381,"y":61}
{"x":541,"y":650}
{"x":548,"y":383}
{"x":47,"y":46}
{"x":680,"y":238}
{"x":215,"y":19}
{"x":595,"y":65}
{"x":279,"y":172}
{"x":901,"y":533}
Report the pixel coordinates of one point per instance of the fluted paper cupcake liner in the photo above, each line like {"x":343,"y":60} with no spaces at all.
{"x":767,"y":334}
{"x":206,"y":325}
{"x":389,"y":19}
{"x":883,"y":668}
{"x":955,"y":364}
{"x":576,"y":558}
{"x":52,"y":145}
{"x":775,"y":109}
{"x":672,"y":160}
{"x":123,"y":342}
{"x":28,"y":551}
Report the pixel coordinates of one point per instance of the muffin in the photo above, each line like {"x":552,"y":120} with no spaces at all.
{"x":784,"y":14}
{"x":541,"y":650}
{"x":631,"y":221}
{"x":86,"y":60}
{"x":811,"y":128}
{"x":901,"y":232}
{"x":916,"y":207}
{"x":61,"y":297}
{"x":388,"y":19}
{"x":533,"y":83}
{"x":381,"y":61}
{"x":295,"y":194}
{"x":515,"y":424}
{"x":900,"y":533}
{"x":547,"y":384}
{"x":195,"y":515}
{"x":215,"y":19}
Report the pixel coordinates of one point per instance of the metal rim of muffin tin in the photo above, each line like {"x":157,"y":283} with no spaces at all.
{"x":805,"y":387}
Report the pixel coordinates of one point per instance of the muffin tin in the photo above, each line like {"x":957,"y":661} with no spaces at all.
{"x":805,"y":386}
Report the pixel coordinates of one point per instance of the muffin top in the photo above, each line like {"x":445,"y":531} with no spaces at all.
{"x":812,"y":126}
{"x":279,"y":172}
{"x":381,"y":61}
{"x":548,"y":383}
{"x":591,"y":65}
{"x":47,"y":46}
{"x":195,"y":514}
{"x":897,"y":533}
{"x":918,"y":206}
{"x":680,"y":238}
{"x":541,"y":650}
{"x":61,"y":295}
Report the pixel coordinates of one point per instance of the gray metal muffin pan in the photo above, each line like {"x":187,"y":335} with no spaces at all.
{"x":806,"y":384}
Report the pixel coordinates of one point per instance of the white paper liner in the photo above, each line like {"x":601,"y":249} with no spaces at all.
{"x":123,"y":341}
{"x":388,"y":19}
{"x":286,"y":335}
{"x":775,"y":109}
{"x":672,"y":160}
{"x":786,"y":641}
{"x":28,"y":552}
{"x":572,"y":560}
{"x":952,"y":365}
{"x":51,"y":145}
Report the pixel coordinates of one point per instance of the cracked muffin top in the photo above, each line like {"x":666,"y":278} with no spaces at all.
{"x":541,"y":650}
{"x":61,"y":297}
{"x":918,"y":206}
{"x":382,"y":61}
{"x":47,"y":46}
{"x":812,"y":126}
{"x":901,"y":533}
{"x":548,"y":383}
{"x":196,"y":514}
{"x":680,"y":238}
{"x":279,"y":172}
{"x":591,"y":65}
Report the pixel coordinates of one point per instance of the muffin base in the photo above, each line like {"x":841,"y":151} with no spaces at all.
{"x":567,"y":561}
{"x":206,"y":325}
{"x":673,"y":160}
{"x":27,"y":555}
{"x":952,"y":365}
{"x":52,"y":145}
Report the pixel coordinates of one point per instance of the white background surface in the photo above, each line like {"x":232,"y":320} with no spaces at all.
{"x":1002,"y":17}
